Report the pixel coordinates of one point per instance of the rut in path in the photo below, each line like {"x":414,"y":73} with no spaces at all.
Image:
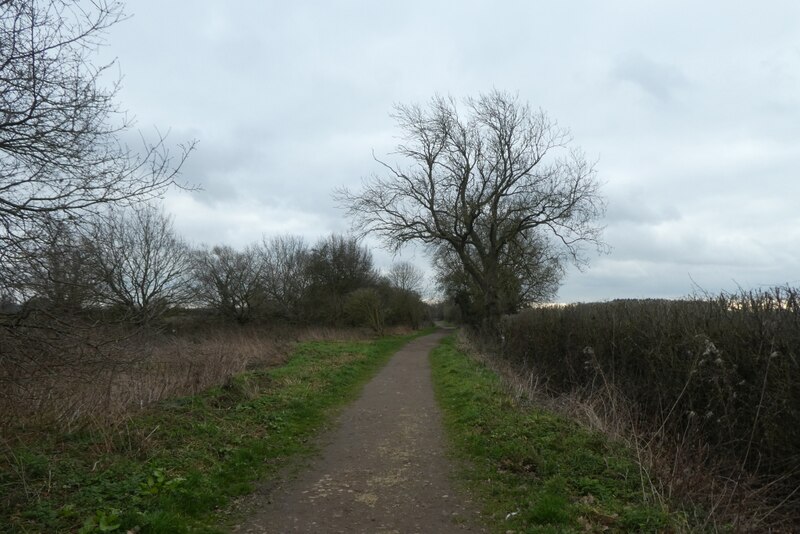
{"x":382,"y":469}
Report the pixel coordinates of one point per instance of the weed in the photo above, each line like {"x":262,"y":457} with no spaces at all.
{"x":102,"y":521}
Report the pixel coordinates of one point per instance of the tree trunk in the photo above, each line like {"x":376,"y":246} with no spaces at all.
{"x":491,"y":312}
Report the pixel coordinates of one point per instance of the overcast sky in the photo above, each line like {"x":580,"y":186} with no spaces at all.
{"x":692,"y":110}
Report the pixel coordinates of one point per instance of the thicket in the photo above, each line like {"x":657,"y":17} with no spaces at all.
{"x":718,"y":374}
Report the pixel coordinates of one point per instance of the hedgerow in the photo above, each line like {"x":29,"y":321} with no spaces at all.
{"x":722,"y":372}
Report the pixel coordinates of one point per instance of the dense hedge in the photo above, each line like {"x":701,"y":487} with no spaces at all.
{"x":725,"y":369}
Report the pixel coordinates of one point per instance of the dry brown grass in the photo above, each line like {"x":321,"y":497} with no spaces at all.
{"x":124,"y":377}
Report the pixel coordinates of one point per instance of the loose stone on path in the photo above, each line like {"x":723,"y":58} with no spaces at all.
{"x":383,"y":469}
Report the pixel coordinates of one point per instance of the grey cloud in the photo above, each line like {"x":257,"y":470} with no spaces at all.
{"x":640,"y":209}
{"x":218,"y":168}
{"x":611,"y":277}
{"x":660,"y":80}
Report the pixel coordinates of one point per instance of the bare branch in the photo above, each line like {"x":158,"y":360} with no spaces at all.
{"x":61,"y":155}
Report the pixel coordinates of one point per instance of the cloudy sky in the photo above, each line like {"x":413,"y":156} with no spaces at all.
{"x":692,"y":110}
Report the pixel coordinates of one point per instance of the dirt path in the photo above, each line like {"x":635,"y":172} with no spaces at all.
{"x":383,"y":469}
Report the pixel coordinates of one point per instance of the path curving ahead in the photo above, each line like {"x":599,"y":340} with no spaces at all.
{"x":383,"y":469}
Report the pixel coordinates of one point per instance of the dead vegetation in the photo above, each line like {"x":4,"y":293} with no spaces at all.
{"x":69,"y":382}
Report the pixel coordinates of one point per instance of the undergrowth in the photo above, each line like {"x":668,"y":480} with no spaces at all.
{"x":175,"y":466}
{"x":535,"y":471}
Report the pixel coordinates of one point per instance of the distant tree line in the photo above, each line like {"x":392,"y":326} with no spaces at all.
{"x":130,"y":265}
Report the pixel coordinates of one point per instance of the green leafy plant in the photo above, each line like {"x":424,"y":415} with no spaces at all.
{"x":158,"y":482}
{"x":102,"y":521}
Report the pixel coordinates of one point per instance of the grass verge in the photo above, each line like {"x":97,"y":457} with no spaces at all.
{"x":535,"y":471}
{"x":175,"y":466}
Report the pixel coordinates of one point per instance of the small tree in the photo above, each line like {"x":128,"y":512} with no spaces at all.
{"x":58,"y":277}
{"x":405,"y":280}
{"x":406,"y":277}
{"x":486,"y":187}
{"x":140,"y":263}
{"x":366,"y":307}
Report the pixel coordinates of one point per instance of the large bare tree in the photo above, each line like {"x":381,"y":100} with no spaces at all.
{"x":61,"y":154}
{"x":490,"y":185}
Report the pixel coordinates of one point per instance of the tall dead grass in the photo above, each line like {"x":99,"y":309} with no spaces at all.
{"x":67,"y":383}
{"x":129,"y":375}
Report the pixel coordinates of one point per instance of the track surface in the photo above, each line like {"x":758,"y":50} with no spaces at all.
{"x":383,"y":469}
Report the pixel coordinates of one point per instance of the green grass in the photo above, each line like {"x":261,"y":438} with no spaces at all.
{"x":534,"y":471}
{"x":175,"y":467}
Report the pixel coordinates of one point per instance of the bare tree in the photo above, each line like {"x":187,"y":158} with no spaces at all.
{"x":63,"y":161}
{"x":481,"y":185}
{"x":406,"y":276}
{"x":230,"y":281}
{"x":367,"y":307}
{"x":285,"y":273}
{"x":60,"y":150}
{"x":405,"y":298}
{"x":140,"y":263}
